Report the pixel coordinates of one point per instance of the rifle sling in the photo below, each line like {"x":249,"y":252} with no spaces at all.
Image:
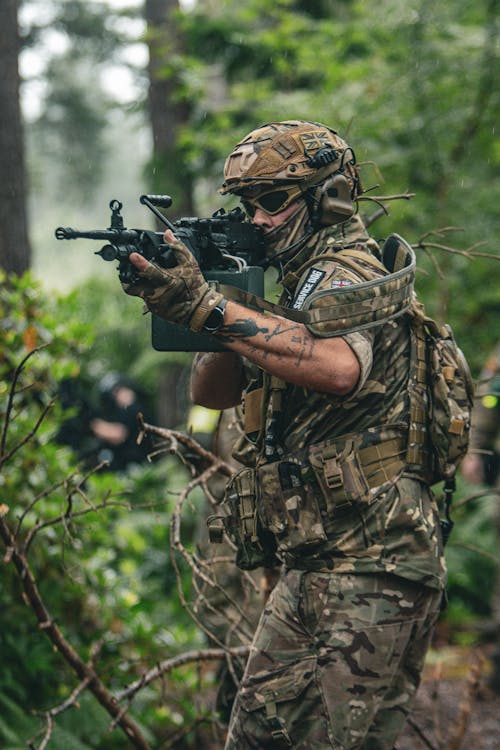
{"x":346,"y":309}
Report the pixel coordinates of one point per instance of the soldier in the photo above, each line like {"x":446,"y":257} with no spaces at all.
{"x":327,"y":494}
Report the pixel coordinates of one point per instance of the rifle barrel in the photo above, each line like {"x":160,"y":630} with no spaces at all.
{"x":118,"y":236}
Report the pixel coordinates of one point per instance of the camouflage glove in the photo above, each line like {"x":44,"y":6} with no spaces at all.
{"x":179,"y":294}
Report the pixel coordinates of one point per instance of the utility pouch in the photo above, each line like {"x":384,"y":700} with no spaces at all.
{"x":288,"y":506}
{"x":253,"y":411}
{"x":340,"y":475}
{"x":254,"y":548}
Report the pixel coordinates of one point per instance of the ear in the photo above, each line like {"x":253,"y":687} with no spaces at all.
{"x":335,"y":203}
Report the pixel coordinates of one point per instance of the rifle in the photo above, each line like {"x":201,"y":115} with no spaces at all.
{"x":227,"y":247}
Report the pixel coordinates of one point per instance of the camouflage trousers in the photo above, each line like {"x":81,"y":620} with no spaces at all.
{"x":335,"y":662}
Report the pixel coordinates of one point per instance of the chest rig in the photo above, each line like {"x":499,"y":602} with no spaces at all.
{"x":386,"y":293}
{"x":292,"y":500}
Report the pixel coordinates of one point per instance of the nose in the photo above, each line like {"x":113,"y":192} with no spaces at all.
{"x":262,"y":220}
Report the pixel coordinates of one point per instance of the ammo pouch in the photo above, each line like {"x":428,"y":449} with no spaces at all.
{"x":352,"y":470}
{"x":239,"y":519}
{"x":288,"y":505}
{"x":291,"y":505}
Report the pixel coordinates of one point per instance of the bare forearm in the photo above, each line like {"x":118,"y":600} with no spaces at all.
{"x":217,"y":379}
{"x":287,"y":350}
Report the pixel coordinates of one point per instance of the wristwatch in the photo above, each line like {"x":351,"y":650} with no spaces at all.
{"x":215,"y":320}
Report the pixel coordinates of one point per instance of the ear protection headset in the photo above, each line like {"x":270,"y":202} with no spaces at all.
{"x":335,"y":201}
{"x":332,"y":200}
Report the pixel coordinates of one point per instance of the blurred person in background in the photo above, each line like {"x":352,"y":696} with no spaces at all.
{"x":481,"y":466}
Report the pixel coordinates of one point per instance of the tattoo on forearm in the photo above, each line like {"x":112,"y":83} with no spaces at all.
{"x":247,"y":328}
{"x":242,"y":329}
{"x":306,"y":350}
{"x":297,"y":347}
{"x":281,"y":329}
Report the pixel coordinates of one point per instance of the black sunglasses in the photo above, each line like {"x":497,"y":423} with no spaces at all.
{"x":272,"y":202}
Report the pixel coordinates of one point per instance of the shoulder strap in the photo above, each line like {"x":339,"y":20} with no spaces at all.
{"x":336,"y":312}
{"x":349,"y":258}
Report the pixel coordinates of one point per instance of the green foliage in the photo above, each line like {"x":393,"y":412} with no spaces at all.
{"x":470,"y":557}
{"x":122,"y":336}
{"x":98,"y":546}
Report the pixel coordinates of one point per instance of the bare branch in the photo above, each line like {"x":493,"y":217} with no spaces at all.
{"x":10,"y":400}
{"x":5,"y":457}
{"x":41,"y":495}
{"x":413,"y":724}
{"x":62,"y":518}
{"x":487,"y":493}
{"x":380,"y":198}
{"x":176,"y":438}
{"x":173,"y":740}
{"x":477,"y":550}
{"x":467,"y":253}
{"x":164,"y":667}
{"x":176,"y":546}
{"x":46,"y":623}
{"x":204,"y":466}
{"x":48,"y":734}
{"x":440,"y":232}
{"x":369,"y":220}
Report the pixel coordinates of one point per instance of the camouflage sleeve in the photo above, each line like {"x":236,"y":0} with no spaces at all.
{"x":361,"y":342}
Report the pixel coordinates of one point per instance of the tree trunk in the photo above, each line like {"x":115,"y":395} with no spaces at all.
{"x":170,"y":174}
{"x":15,"y":251}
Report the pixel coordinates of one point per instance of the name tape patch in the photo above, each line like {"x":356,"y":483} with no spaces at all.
{"x":309,"y":285}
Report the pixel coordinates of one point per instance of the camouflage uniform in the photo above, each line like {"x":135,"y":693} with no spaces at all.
{"x":338,"y":652}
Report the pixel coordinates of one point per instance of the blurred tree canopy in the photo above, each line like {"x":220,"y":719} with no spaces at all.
{"x":76,"y":45}
{"x":413,"y":87}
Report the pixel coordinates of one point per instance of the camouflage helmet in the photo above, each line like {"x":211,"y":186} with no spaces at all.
{"x":292,"y":151}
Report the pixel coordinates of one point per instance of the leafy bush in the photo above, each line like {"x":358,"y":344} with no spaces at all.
{"x":97,"y":544}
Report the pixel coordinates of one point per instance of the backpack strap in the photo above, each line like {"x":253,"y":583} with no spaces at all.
{"x":417,"y":454}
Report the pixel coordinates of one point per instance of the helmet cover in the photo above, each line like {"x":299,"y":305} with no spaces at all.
{"x":292,"y":151}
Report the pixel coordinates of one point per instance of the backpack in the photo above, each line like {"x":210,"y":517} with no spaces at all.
{"x":441,"y":396}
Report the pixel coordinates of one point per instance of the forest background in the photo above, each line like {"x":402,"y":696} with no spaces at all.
{"x":113,"y":99}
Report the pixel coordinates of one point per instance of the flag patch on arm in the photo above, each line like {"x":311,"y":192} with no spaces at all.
{"x":339,"y":283}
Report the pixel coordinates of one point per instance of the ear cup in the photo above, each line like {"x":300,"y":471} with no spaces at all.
{"x":335,"y":204}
